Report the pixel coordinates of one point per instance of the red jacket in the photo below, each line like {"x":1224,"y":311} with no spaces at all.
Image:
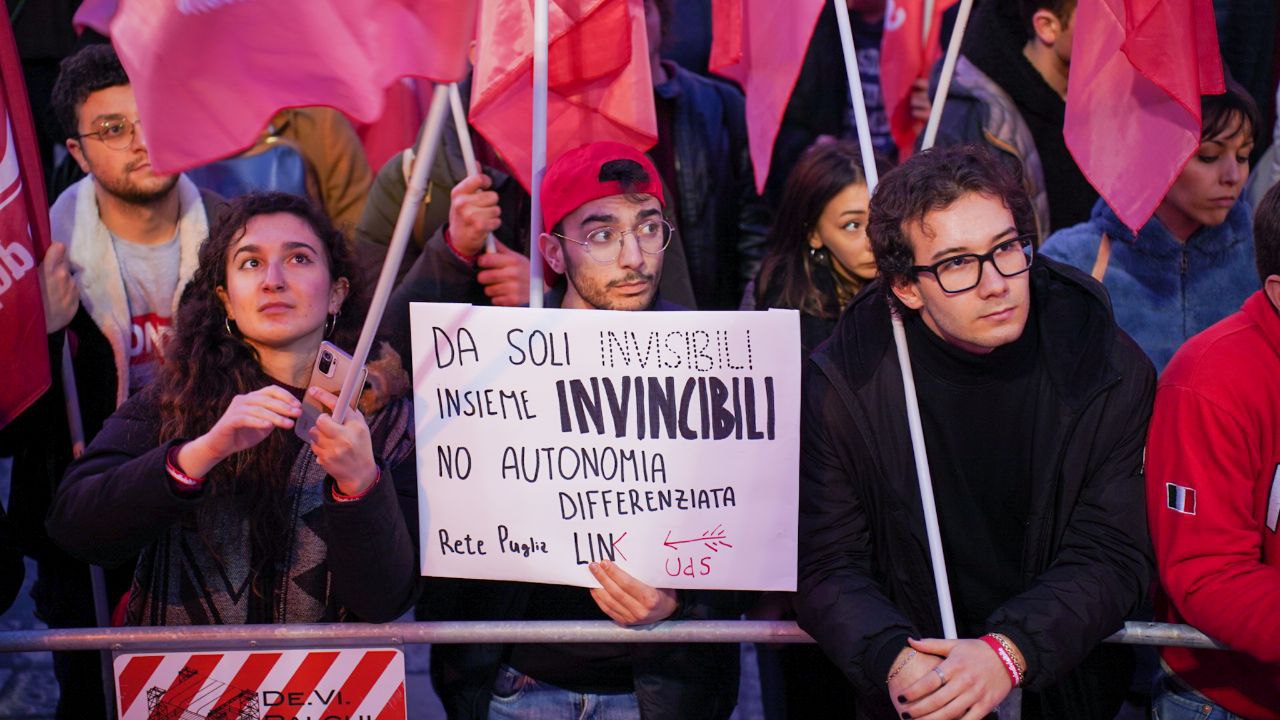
{"x":1213,"y":501}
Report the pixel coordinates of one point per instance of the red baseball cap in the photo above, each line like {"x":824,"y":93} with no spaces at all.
{"x":574,"y":179}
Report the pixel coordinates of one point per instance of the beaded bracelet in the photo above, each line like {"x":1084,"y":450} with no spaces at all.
{"x":901,"y":665}
{"x":1006,"y":657}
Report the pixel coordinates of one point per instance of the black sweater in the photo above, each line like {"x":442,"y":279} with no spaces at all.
{"x":118,"y":500}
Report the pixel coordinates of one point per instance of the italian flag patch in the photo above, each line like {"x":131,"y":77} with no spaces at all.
{"x":1181,"y":499}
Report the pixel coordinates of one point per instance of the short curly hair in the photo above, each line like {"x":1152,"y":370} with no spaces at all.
{"x":93,"y":68}
{"x":934,"y":180}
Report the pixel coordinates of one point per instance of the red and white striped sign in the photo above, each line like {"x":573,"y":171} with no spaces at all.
{"x":350,"y":684}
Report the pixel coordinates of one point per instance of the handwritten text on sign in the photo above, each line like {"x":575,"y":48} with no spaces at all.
{"x":664,"y":441}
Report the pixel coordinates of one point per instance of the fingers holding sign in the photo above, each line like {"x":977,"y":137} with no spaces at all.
{"x":627,"y":600}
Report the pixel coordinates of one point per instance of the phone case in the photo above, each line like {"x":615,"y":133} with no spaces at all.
{"x":331,"y":368}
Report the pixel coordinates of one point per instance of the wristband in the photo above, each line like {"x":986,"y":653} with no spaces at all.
{"x":901,"y":665}
{"x":1006,"y":657}
{"x":185,"y":482}
{"x":339,"y":497}
{"x":448,"y":242}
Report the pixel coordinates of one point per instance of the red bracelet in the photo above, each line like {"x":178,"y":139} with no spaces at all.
{"x":448,"y":242}
{"x":339,"y":497}
{"x":1015,"y":676}
{"x":185,"y":482}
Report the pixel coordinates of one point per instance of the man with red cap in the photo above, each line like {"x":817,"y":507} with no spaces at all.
{"x":603,"y":203}
{"x":605,"y":233}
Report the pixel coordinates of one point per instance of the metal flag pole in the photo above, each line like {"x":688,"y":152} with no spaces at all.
{"x":941,"y":583}
{"x":428,"y":145}
{"x":948,"y":70}
{"x":541,"y":10}
{"x":97,"y":578}
{"x":464,"y":140}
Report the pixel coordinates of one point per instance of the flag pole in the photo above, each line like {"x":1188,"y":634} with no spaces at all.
{"x":855,"y":94}
{"x":541,"y":10}
{"x":97,"y":578}
{"x":464,"y":140}
{"x":923,"y":476}
{"x":428,"y":144}
{"x":948,"y":70}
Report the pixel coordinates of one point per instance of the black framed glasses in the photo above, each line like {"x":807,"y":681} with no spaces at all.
{"x":604,"y":245}
{"x":959,"y":273}
{"x":116,"y":133}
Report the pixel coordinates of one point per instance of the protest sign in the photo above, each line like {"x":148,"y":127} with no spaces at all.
{"x":667,"y":442}
{"x":347,"y":684}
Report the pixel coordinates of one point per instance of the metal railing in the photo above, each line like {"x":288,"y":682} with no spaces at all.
{"x":242,"y":637}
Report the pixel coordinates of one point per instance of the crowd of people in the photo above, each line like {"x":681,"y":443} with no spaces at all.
{"x":1101,"y":406}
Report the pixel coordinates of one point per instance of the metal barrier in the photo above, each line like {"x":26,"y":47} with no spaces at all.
{"x":242,"y":637}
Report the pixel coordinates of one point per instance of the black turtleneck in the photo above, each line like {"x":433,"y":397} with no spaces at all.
{"x":998,"y":53}
{"x":978,"y":413}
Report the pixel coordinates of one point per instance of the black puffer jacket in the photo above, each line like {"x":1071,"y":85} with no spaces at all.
{"x":865,"y":581}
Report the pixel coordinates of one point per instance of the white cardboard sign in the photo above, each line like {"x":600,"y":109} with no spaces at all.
{"x":667,"y":442}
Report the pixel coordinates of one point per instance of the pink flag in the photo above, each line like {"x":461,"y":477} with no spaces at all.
{"x":904,"y":58}
{"x":1138,"y":69}
{"x":598,"y":82}
{"x":24,"y":236}
{"x":209,"y":74}
{"x":402,"y":115}
{"x":760,"y":44}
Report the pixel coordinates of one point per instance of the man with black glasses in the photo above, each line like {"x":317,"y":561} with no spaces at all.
{"x":1034,"y":407}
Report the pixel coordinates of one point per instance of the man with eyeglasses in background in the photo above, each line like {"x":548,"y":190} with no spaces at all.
{"x":1034,"y":406}
{"x":602,"y":204}
{"x":125,"y":240}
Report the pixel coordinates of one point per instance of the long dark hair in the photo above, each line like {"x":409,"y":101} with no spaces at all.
{"x":206,"y":366}
{"x":787,"y":275}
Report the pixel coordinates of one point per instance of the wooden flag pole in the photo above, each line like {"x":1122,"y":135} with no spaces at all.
{"x":923,"y":476}
{"x":428,"y":145}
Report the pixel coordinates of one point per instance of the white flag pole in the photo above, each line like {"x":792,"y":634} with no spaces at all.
{"x":464,"y":140}
{"x":423,"y":160}
{"x":948,"y":70}
{"x":900,"y":339}
{"x":541,"y":10}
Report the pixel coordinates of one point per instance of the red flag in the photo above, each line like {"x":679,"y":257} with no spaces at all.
{"x":209,"y":74}
{"x":760,"y":44}
{"x":598,"y":82}
{"x":402,"y":114}
{"x":24,"y":236}
{"x":904,"y":58}
{"x":1138,"y":69}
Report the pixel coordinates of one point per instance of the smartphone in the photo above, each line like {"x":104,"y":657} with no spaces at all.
{"x":332,"y":366}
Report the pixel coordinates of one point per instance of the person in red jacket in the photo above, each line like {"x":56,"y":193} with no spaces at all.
{"x":1213,"y":501}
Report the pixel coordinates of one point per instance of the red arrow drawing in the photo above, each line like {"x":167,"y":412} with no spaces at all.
{"x":615,"y":545}
{"x":711,"y":538}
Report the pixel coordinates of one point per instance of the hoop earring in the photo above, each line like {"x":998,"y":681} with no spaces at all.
{"x":820,"y":256}
{"x":331,"y":323}
{"x":226,"y":322}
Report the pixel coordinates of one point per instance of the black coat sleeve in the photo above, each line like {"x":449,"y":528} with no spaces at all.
{"x":372,"y":542}
{"x":1104,"y":565}
{"x":118,"y":497}
{"x":838,"y":600}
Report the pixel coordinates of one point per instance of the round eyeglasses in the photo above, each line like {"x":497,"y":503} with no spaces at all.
{"x":959,"y":273}
{"x":604,"y":245}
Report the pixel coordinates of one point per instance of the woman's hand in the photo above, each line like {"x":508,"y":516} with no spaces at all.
{"x":248,"y":420}
{"x":627,"y":600}
{"x":344,"y":451}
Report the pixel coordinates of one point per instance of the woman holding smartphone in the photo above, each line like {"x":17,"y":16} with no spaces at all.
{"x":236,"y":518}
